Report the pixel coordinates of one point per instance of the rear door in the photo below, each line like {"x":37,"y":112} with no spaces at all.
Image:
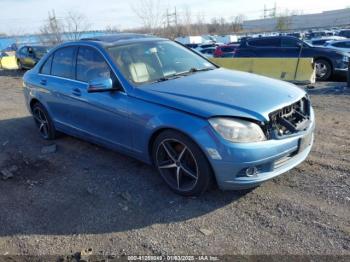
{"x":60,"y":82}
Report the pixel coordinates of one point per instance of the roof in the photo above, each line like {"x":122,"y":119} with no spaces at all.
{"x":118,"y":37}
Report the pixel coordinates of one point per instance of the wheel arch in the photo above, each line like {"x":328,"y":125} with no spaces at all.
{"x":33,"y":102}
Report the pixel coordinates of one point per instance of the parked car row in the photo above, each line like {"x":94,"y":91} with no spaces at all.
{"x":328,"y":61}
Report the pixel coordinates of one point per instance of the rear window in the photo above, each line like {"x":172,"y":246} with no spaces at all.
{"x":265,"y":42}
{"x":62,"y":64}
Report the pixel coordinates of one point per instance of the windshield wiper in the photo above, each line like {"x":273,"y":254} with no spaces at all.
{"x":162,"y":79}
{"x":177,"y":75}
{"x":195,"y":70}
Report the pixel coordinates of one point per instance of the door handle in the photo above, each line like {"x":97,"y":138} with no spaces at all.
{"x":43,"y":82}
{"x":76,"y":92}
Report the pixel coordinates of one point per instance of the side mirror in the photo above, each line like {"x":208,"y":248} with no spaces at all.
{"x":101,"y":85}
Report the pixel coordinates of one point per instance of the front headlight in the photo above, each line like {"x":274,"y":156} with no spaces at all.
{"x":346,"y":59}
{"x":237,"y":130}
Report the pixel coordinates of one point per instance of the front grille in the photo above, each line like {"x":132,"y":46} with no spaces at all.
{"x":291,"y":119}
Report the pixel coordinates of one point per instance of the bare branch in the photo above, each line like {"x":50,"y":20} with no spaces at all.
{"x":150,"y":14}
{"x":75,"y":25}
{"x":52,"y":30}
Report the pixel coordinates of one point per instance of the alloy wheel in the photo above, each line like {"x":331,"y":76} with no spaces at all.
{"x":177,"y":165}
{"x":42,"y":122}
{"x":321,"y":69}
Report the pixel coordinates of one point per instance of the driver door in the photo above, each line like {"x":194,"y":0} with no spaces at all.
{"x":101,"y":116}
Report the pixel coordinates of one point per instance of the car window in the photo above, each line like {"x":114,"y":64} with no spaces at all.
{"x":62,"y":63}
{"x":23,"y":51}
{"x":91,"y":65}
{"x":227,"y":49}
{"x":319,"y":42}
{"x":345,"y":33}
{"x":289,"y":42}
{"x":342,"y":44}
{"x":46,"y":68}
{"x":152,"y":61}
{"x":265,"y":42}
{"x":208,"y":51}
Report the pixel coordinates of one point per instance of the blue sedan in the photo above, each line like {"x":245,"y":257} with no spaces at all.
{"x":159,"y":102}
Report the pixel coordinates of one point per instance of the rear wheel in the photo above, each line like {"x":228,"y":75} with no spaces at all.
{"x":323,"y":69}
{"x":182,"y":164}
{"x":43,"y":122}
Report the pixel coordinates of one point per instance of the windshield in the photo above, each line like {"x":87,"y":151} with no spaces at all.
{"x":40,"y":51}
{"x":147,"y":62}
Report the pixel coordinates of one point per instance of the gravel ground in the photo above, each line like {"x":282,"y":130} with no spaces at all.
{"x":84,"y":198}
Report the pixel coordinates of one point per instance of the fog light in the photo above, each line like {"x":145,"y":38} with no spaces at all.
{"x":251,"y":171}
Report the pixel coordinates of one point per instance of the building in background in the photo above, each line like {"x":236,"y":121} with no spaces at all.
{"x":327,"y":19}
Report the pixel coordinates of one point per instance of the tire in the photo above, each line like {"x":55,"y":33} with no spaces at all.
{"x":182,"y":164}
{"x":19,"y":64}
{"x":323,"y":69}
{"x":44,"y":122}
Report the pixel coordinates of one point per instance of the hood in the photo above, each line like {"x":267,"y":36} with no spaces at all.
{"x":329,"y":50}
{"x":222,"y":92}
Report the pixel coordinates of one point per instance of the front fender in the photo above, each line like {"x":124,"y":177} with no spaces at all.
{"x":158,"y":118}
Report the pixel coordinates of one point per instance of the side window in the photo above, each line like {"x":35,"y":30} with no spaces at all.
{"x":62,"y":63}
{"x":23,"y":51}
{"x":341,"y":44}
{"x":265,"y":42}
{"x":318,"y":42}
{"x":46,"y":68}
{"x":91,"y":65}
{"x":227,"y":49}
{"x":289,"y":42}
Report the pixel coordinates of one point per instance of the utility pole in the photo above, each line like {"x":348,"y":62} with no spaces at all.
{"x":167,"y":18}
{"x":270,"y":12}
{"x":175,"y":16}
{"x":171,"y":18}
{"x":274,"y":12}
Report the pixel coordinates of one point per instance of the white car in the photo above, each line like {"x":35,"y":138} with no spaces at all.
{"x":343,"y":45}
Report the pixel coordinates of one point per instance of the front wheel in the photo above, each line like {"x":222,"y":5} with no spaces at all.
{"x":182,"y":164}
{"x":323,"y":69}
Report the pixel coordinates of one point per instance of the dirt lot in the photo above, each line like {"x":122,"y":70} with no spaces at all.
{"x":83,"y":197}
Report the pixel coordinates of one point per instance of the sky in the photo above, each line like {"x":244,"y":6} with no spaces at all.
{"x":27,"y":16}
